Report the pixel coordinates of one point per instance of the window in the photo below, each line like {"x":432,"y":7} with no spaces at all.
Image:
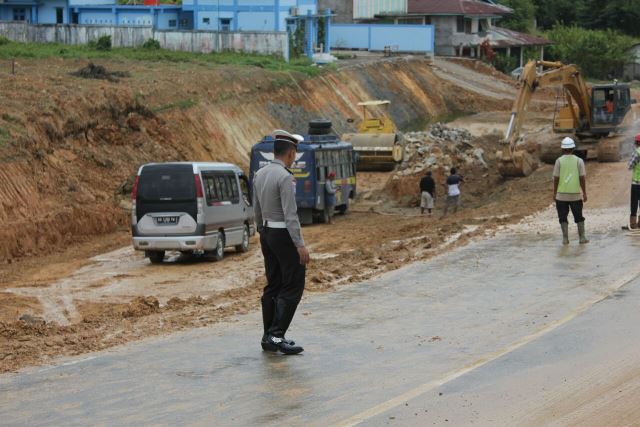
{"x":59,"y":15}
{"x":460,"y":24}
{"x":221,"y":188}
{"x":75,"y":17}
{"x":225,"y":24}
{"x":483,"y":25}
{"x":172,"y":23}
{"x":206,"y":21}
{"x":184,"y":23}
{"x":20,"y":14}
{"x":165,"y":183}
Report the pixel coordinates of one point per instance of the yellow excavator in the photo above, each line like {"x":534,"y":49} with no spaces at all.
{"x":596,"y":116}
{"x":377,"y":142}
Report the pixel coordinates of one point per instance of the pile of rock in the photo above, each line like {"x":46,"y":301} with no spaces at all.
{"x":441,"y":147}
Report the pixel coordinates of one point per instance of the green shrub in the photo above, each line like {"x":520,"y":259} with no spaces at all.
{"x":505,"y":63}
{"x":103,"y":43}
{"x":598,"y":53}
{"x":4,"y":40}
{"x":151,"y":44}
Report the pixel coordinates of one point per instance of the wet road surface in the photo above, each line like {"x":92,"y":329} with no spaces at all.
{"x":453,"y":322}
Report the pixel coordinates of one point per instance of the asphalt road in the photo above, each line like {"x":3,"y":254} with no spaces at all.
{"x":485,"y":334}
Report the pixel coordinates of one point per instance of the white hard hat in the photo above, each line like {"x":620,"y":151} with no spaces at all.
{"x":568,"y":143}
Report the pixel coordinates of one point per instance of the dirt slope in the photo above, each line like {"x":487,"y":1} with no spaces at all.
{"x":73,"y":144}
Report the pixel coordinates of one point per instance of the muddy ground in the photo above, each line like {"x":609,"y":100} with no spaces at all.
{"x":89,"y":299}
{"x":80,"y":287}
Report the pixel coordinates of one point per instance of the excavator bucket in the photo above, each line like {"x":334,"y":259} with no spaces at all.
{"x":376,"y":152}
{"x":518,"y":163}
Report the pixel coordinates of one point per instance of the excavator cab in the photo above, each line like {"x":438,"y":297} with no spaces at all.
{"x":611,"y":103}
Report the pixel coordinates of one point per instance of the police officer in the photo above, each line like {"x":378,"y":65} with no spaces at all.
{"x":284,"y":251}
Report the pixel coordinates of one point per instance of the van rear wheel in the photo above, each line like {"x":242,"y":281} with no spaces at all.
{"x":156,"y":257}
{"x":244,"y":246}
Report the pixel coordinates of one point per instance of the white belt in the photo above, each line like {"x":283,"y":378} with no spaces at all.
{"x":275,"y":224}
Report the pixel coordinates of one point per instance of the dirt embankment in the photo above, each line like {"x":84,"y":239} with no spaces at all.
{"x":75,"y":145}
{"x":70,"y":145}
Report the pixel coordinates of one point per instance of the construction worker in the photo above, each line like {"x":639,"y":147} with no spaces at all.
{"x":570,"y":189}
{"x":609,"y":108}
{"x":452,"y":186}
{"x":427,"y":193}
{"x":283,"y":248}
{"x":330,"y":191}
{"x":634,"y":165}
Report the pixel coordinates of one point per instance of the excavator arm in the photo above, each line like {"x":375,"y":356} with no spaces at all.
{"x":513,"y":162}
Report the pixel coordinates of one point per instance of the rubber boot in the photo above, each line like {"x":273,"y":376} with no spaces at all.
{"x":285,"y":310}
{"x":268,"y":315}
{"x":581,"y":233}
{"x":565,"y":233}
{"x":633,"y":222}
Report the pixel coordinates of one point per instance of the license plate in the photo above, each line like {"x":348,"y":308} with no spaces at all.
{"x":167,"y":220}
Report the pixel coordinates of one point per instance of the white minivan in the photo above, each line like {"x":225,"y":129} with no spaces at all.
{"x":192,"y":208}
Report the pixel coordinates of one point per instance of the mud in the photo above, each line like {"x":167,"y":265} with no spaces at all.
{"x":73,"y":144}
{"x":69,"y":167}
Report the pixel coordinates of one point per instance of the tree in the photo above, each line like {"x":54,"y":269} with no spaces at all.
{"x":620,"y":15}
{"x":597,"y":52}
{"x":552,"y":12}
{"x":522,"y":19}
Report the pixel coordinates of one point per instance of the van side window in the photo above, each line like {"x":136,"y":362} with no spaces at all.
{"x":225,"y":194}
{"x":232,"y":185}
{"x":211,"y":189}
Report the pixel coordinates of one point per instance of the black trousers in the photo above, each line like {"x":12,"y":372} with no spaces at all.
{"x":563,"y":211}
{"x":285,"y":278}
{"x":635,"y":198}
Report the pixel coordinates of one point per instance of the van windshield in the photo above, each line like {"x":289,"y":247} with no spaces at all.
{"x":168,"y":183}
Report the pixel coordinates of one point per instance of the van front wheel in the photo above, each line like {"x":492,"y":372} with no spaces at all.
{"x":156,"y":257}
{"x":244,"y":246}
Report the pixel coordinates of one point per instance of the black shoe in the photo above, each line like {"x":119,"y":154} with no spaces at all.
{"x":266,"y":346}
{"x":282,"y":345}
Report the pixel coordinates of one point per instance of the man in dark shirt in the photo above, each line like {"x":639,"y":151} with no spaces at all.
{"x":428,"y":193}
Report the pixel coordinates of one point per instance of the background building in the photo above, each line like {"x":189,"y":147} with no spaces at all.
{"x":212,"y":15}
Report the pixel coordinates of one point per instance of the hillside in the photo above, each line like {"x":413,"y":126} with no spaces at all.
{"x":69,"y":146}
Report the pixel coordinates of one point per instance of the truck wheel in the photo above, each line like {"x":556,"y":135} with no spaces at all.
{"x":320,"y":124}
{"x":244,"y":246}
{"x":320,"y":127}
{"x":156,"y":257}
